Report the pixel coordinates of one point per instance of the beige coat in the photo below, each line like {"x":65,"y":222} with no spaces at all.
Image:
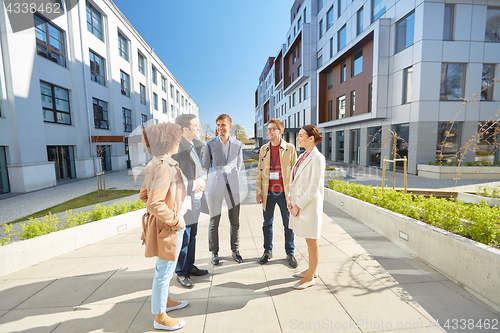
{"x":288,"y":156}
{"x":307,"y":191}
{"x":163,"y":192}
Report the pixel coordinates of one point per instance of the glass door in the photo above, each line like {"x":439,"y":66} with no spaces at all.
{"x":4,"y":177}
{"x":355,"y":147}
{"x":64,"y":159}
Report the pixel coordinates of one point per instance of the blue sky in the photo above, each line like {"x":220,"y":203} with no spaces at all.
{"x":216,"y":49}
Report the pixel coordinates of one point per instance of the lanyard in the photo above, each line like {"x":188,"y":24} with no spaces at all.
{"x":276,"y":160}
{"x":298,"y":164}
{"x":222,"y":146}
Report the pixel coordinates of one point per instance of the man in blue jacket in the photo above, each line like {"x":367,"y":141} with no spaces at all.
{"x":223,"y":159}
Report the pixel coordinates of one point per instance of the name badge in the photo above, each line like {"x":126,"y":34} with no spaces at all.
{"x":274,"y":175}
{"x":226,"y":169}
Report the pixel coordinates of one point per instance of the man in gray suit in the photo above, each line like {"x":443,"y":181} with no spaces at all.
{"x":223,"y":158}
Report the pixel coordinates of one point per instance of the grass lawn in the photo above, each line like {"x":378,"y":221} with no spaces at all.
{"x":84,"y":200}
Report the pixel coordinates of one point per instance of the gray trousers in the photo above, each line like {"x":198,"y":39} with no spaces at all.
{"x":215,"y":207}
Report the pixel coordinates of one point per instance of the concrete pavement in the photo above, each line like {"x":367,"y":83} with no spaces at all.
{"x":365,"y":284}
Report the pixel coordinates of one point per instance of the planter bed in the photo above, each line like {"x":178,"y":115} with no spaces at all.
{"x":476,"y":199}
{"x":450,"y":172}
{"x":335,"y":174}
{"x":29,"y":252}
{"x":473,"y":265}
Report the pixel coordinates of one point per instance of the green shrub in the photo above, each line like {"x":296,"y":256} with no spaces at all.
{"x":73,"y":220}
{"x":136,"y":205}
{"x":36,"y":227}
{"x":100,"y":212}
{"x":478,"y":222}
{"x":8,"y":230}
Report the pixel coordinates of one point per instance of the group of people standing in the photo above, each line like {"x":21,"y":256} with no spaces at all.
{"x":185,"y":178}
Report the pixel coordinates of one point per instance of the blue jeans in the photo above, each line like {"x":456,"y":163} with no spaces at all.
{"x":188,"y":249}
{"x":278,"y":198}
{"x":164,"y":271}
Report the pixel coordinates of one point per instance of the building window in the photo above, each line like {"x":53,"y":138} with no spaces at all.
{"x":452,"y":82}
{"x":375,"y":145}
{"x":343,"y":71}
{"x":359,"y":21}
{"x":123,"y":46}
{"x":378,"y":9}
{"x":299,"y":71}
{"x":164,"y":106}
{"x":404,"y":32}
{"x":329,"y":79}
{"x":163,"y":83}
{"x":320,"y":5}
{"x":125,"y":83}
{"x":143,"y":93}
{"x":487,"y":82}
{"x":100,"y":114}
{"x":306,"y":91}
{"x":305,"y":17}
{"x":448,"y":141}
{"x":155,"y":101}
{"x":407,"y":75}
{"x":154,"y":75}
{"x":320,"y":29}
{"x":487,"y":142}
{"x":370,"y":97}
{"x":54,"y":49}
{"x":357,"y":62}
{"x":4,"y":177}
{"x":97,"y":68}
{"x":341,"y":38}
{"x":289,"y":102}
{"x":172,"y":111}
{"x":144,"y":120}
{"x":330,"y":110}
{"x":55,"y":104}
{"x":340,"y":146}
{"x":341,"y":107}
{"x":353,"y":102}
{"x":449,"y":22}
{"x":320,"y":61}
{"x":331,"y":47}
{"x":171,"y":91}
{"x":300,"y":95}
{"x":299,"y":23}
{"x":339,"y":8}
{"x":177,"y":96}
{"x":294,"y":56}
{"x":329,"y":18}
{"x":492,"y":33}
{"x":289,"y":41}
{"x":293,"y":99}
{"x":127,"y":120}
{"x":94,"y":21}
{"x":142,"y":63}
{"x":182,"y":101}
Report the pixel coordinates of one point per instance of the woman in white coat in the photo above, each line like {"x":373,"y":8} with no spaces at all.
{"x":305,"y":201}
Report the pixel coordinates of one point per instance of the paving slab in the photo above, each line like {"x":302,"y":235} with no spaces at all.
{"x":365,"y":282}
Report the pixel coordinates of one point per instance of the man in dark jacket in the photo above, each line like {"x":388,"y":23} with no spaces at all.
{"x":189,"y":158}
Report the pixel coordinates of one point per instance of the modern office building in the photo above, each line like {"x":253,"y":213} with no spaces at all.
{"x":74,"y":89}
{"x":361,"y":69}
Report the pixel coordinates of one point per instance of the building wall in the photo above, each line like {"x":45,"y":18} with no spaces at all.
{"x":23,"y":131}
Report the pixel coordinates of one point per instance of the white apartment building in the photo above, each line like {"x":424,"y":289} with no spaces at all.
{"x":375,"y":66}
{"x":74,"y":89}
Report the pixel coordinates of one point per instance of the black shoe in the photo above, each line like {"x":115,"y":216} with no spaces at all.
{"x":195,"y":271}
{"x":265,"y":257}
{"x":291,"y":260}
{"x":215,"y":259}
{"x":185,"y":281}
{"x":237,"y":257}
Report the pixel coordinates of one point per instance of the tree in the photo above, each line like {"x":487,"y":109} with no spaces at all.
{"x":239,"y":132}
{"x":206,"y":132}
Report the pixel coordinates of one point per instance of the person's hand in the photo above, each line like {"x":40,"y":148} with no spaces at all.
{"x":289,"y":204}
{"x":295,"y":211}
{"x":199,"y":185}
{"x":258,"y":198}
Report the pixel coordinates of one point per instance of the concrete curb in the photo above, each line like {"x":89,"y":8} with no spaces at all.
{"x":450,"y":172}
{"x":26,"y":253}
{"x":473,"y":265}
{"x":476,"y":199}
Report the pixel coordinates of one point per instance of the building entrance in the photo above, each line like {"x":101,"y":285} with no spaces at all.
{"x":64,"y":159}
